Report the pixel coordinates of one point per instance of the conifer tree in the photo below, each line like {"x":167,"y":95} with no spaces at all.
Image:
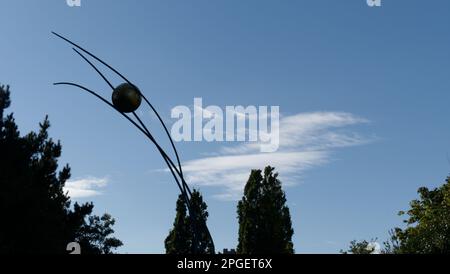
{"x":181,"y":237}
{"x":264,"y":219}
{"x":36,"y":212}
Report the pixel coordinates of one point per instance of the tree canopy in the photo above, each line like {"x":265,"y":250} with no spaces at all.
{"x":264,"y":219}
{"x":427,"y":226}
{"x":186,"y":227}
{"x":428,"y":223}
{"x":37,"y":216}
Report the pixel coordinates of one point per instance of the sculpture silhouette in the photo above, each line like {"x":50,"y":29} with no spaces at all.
{"x":126,"y":99}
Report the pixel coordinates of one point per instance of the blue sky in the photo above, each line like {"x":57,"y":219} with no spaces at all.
{"x":363,"y":92}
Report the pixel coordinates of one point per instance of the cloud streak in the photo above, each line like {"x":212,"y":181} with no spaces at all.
{"x":306,"y":141}
{"x":85,"y":187}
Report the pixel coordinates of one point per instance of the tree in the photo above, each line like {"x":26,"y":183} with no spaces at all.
{"x":264,"y":219}
{"x":197,"y":222}
{"x":5,"y":102}
{"x":179,"y":241}
{"x":190,"y":228}
{"x":363,"y":247}
{"x":36,"y":212}
{"x":428,"y":226}
{"x":428,"y":223}
{"x":94,"y":235}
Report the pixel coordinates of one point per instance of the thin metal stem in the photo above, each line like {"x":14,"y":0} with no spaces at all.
{"x":93,"y":56}
{"x":112,"y":87}
{"x":184,"y":184}
{"x":126,"y":117}
{"x":168,"y":135}
{"x":162,"y":154}
{"x":185,"y":187}
{"x":192,"y":213}
{"x":129,"y":82}
{"x":166,"y":158}
{"x":94,"y":67}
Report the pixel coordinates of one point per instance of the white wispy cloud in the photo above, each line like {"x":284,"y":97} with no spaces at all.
{"x":231,"y":171}
{"x":306,"y":141}
{"x":85,"y":187}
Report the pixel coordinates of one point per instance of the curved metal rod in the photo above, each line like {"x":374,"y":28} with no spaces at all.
{"x":179,"y":171}
{"x":92,"y":55}
{"x":95,"y":68}
{"x":192,"y":213}
{"x":129,"y":82}
{"x":168,"y":135}
{"x":166,"y":158}
{"x":126,"y":117}
{"x":162,"y":154}
{"x":104,"y":100}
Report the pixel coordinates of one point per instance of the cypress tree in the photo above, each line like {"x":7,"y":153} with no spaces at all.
{"x":181,"y":237}
{"x":265,"y":225}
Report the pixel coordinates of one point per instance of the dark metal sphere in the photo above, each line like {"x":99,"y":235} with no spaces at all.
{"x":126,"y":98}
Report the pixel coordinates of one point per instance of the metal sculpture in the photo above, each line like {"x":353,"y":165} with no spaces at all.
{"x":126,"y":99}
